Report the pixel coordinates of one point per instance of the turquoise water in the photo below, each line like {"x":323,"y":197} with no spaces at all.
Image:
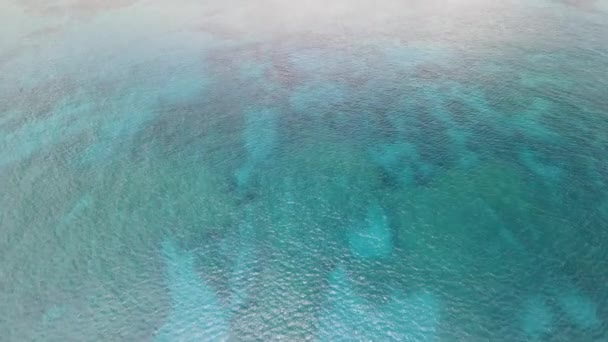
{"x":323,"y":171}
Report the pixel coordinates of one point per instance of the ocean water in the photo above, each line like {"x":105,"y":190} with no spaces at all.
{"x":304,"y":171}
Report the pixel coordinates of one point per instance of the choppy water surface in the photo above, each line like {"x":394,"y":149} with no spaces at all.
{"x":323,"y":170}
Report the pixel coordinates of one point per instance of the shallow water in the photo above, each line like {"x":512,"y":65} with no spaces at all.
{"x":346,"y":170}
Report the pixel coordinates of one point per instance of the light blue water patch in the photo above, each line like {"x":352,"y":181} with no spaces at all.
{"x":406,"y":55}
{"x":349,"y":317}
{"x":114,"y":134}
{"x":241,"y":279}
{"x":537,"y":318}
{"x":547,"y":172}
{"x":403,"y":117}
{"x":397,"y":159}
{"x":53,"y":313}
{"x":392,"y":155}
{"x":117,"y":122}
{"x":435,"y":100}
{"x":531,"y":123}
{"x":468,"y":160}
{"x":317,"y":99}
{"x":418,"y":314}
{"x":458,"y":135}
{"x":260,"y":134}
{"x":196,"y":312}
{"x":309,"y":60}
{"x":82,"y":204}
{"x":184,"y":87}
{"x":253,"y":70}
{"x":345,"y":316}
{"x":67,"y":118}
{"x":6,"y":117}
{"x":317,"y":63}
{"x":578,"y":307}
{"x":132,"y":104}
{"x":543,"y":80}
{"x":508,"y":236}
{"x":260,"y":137}
{"x":64,"y":231}
{"x":243,"y":174}
{"x":81,"y":114}
{"x":440,"y":163}
{"x":244,"y":270}
{"x":474,"y":98}
{"x":372,"y":238}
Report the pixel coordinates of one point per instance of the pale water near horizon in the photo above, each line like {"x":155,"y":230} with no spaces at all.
{"x":320,"y":170}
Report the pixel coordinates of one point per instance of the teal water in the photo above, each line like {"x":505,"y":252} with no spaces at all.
{"x":323,"y":171}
